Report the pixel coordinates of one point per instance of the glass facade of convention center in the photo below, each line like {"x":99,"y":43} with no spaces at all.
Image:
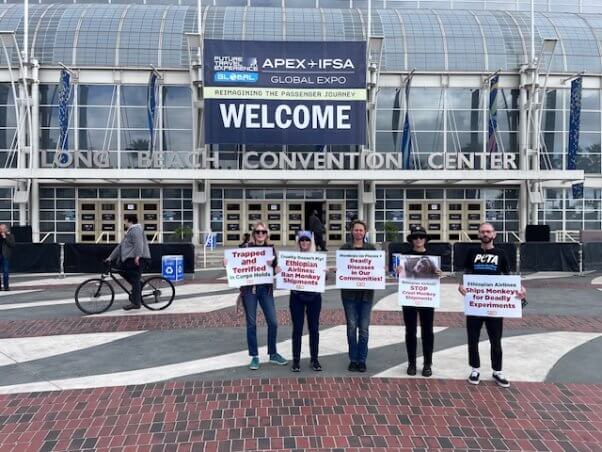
{"x":452,"y":48}
{"x":571,"y":6}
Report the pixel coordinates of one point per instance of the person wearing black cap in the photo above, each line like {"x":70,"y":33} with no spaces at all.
{"x":305,"y":303}
{"x":418,"y":239}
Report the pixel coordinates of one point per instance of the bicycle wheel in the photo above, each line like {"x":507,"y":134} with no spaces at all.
{"x":157,"y":293}
{"x":94,"y":296}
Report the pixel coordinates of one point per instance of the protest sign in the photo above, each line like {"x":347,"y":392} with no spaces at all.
{"x":358,"y":269}
{"x":249,"y":266}
{"x":301,"y":271}
{"x":492,"y":296}
{"x":419,"y":284}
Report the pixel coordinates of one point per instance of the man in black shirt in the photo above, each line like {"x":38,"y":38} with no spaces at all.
{"x":487,"y":260}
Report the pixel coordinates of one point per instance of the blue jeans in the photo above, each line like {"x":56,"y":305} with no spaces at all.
{"x":357,"y":314}
{"x":264,"y":296}
{"x":5,"y":271}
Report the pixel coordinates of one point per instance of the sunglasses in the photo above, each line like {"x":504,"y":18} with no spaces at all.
{"x":304,"y":239}
{"x":419,"y":237}
{"x":260,"y":231}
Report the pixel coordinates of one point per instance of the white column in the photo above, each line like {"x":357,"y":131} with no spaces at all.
{"x":22,"y":141}
{"x":206,"y":221}
{"x":196,"y":214}
{"x":372,"y":213}
{"x":534,"y":138}
{"x":35,"y":152}
{"x":361,"y":210}
{"x":523,"y":144}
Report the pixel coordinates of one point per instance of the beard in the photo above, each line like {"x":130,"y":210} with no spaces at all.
{"x":486,"y":239}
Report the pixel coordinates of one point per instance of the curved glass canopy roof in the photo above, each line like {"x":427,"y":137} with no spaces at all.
{"x":93,"y":35}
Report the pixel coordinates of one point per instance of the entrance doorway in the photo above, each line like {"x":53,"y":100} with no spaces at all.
{"x":310,"y":207}
{"x":102,"y":221}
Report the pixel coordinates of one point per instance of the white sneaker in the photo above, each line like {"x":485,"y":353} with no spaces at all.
{"x":501,"y":380}
{"x":473,"y":378}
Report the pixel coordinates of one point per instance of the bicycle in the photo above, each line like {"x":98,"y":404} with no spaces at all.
{"x":96,"y":295}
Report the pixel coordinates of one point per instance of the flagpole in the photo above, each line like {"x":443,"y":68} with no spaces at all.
{"x":533,"y":31}
{"x":26,"y":32}
{"x":369,"y":31}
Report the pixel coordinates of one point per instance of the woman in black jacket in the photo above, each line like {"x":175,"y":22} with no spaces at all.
{"x":302,"y":303}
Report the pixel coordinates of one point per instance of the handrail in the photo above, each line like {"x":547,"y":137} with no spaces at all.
{"x":155,"y":237}
{"x":102,"y":234}
{"x":465,"y":235}
{"x":562,"y":235}
{"x":48,"y":234}
{"x":213,"y":245}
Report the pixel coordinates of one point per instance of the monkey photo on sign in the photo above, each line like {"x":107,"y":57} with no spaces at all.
{"x":422,"y":267}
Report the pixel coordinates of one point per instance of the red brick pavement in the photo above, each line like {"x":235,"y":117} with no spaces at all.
{"x":306,"y":413}
{"x":229,"y":318}
{"x":555,"y":283}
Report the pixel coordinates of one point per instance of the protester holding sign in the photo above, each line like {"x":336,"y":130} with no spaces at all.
{"x":358,"y":305}
{"x":307,"y":300}
{"x":487,"y":260}
{"x":417,"y":239}
{"x":262,"y":294}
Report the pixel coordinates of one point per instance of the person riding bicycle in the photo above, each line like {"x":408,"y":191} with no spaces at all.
{"x":128,"y":256}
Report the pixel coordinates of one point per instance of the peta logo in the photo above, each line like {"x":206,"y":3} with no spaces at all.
{"x":486,"y":259}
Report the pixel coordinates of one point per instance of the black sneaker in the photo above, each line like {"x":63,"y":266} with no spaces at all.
{"x":427,"y":371}
{"x":315,"y":365}
{"x":474,"y":377}
{"x":353,"y":367}
{"x":500,"y":380}
{"x":411,"y":369}
{"x":131,"y":306}
{"x":362,"y":367}
{"x":295,"y":367}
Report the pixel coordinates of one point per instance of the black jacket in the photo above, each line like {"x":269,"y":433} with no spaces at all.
{"x":8,"y":244}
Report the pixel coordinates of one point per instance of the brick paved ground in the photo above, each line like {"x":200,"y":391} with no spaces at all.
{"x":225,"y":409}
{"x":229,"y":318}
{"x":306,"y":413}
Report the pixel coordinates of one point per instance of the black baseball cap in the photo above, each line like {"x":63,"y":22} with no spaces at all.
{"x":416,"y":231}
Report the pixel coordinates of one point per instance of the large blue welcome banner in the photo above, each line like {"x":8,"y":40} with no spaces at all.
{"x":264,"y":92}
